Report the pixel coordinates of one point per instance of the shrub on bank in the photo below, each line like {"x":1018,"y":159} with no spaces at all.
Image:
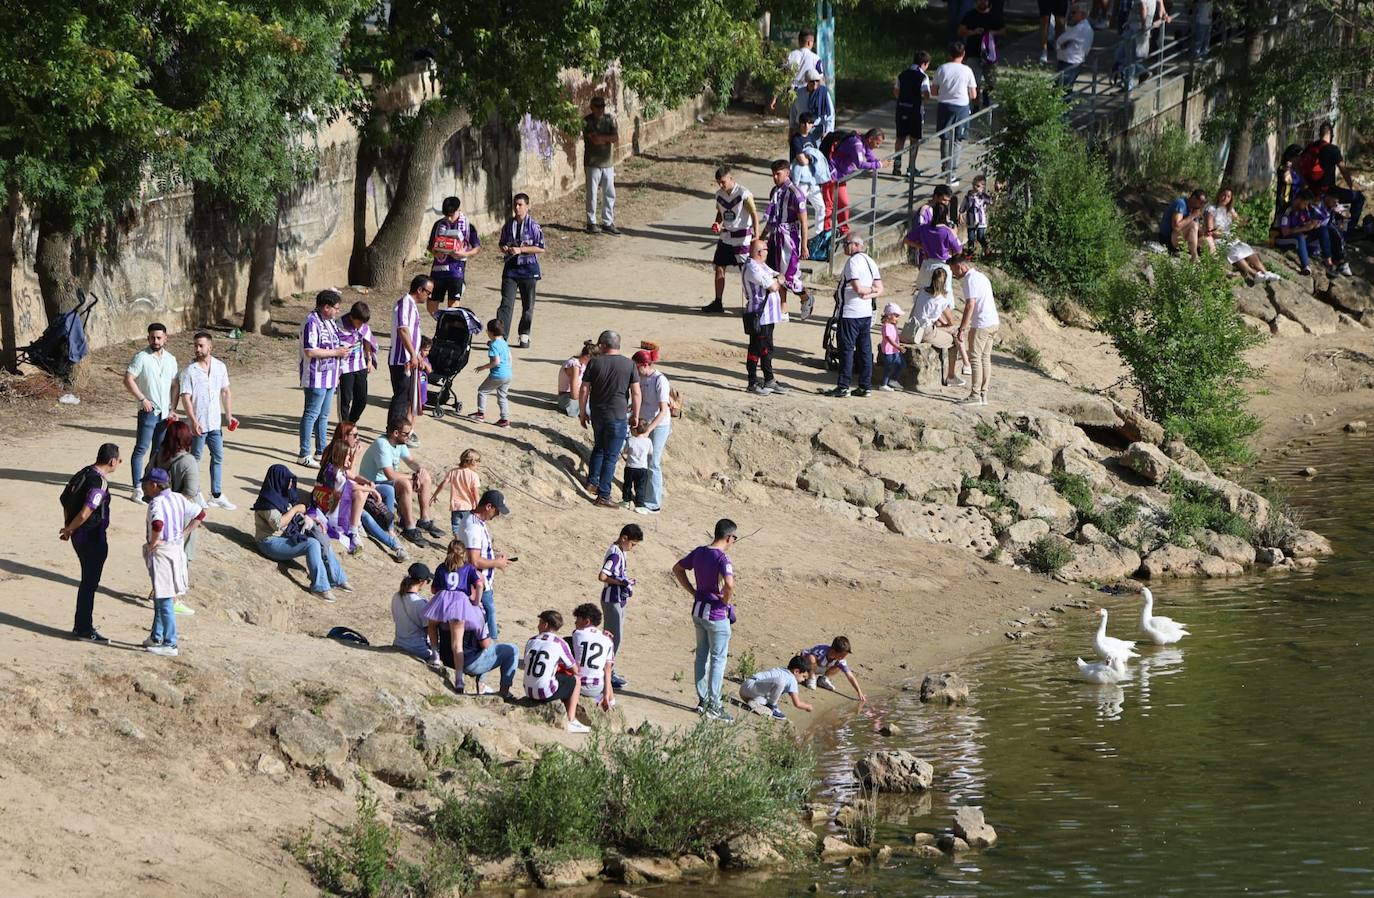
{"x":1168,"y":156}
{"x":1194,"y":508}
{"x":1049,"y":553}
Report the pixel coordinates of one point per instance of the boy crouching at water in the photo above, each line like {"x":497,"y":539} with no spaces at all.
{"x":594,"y":651}
{"x":765,"y":688}
{"x":550,"y":671}
{"x":831,"y":658}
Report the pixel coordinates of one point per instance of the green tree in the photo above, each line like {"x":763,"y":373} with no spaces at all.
{"x":1178,"y":332}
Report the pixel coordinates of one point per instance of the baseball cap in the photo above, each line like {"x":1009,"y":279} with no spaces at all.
{"x":419,"y":571}
{"x":495,"y":499}
{"x":891,"y":309}
{"x":156,"y":475}
{"x":812,"y":75}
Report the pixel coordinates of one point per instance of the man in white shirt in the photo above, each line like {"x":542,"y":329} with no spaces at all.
{"x":979,"y":325}
{"x":207,"y":401}
{"x":803,"y":58}
{"x":1072,"y":46}
{"x":955,"y":86}
{"x":149,"y":380}
{"x":861,"y":284}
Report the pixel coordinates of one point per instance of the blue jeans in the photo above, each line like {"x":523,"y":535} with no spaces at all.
{"x":856,"y":350}
{"x":952,"y":141}
{"x":386,"y":491}
{"x":1068,"y":74}
{"x":147,"y":439}
{"x":164,"y":622}
{"x":653,"y":494}
{"x":502,"y":655}
{"x":215,"y":440}
{"x":455,"y":521}
{"x":315,"y":419}
{"x":894,"y":364}
{"x":320,"y":560}
{"x":1301,"y":242}
{"x":489,"y":609}
{"x":375,"y":531}
{"x":608,"y":438}
{"x":713,"y":648}
{"x":1202,"y":39}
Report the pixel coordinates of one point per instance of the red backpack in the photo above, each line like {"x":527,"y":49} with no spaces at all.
{"x":1310,"y":166}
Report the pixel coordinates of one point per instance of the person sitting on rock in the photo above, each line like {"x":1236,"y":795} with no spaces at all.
{"x":933,"y":311}
{"x":1179,"y":226}
{"x":1219,"y":221}
{"x":551,"y":674}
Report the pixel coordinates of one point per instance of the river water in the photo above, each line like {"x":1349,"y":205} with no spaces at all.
{"x":1236,"y":762}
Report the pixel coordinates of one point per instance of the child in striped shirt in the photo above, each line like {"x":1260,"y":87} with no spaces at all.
{"x":593,"y":649}
{"x":171,"y":519}
{"x":551,"y":674}
{"x":618,"y":588}
{"x":829,"y":659}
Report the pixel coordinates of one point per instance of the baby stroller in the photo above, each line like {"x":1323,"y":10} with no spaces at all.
{"x":448,"y":356}
{"x":830,"y":343}
{"x":63,"y":343}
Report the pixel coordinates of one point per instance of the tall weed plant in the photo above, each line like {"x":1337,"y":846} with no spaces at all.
{"x":1056,"y":222}
{"x":1179,"y":334}
{"x":1170,"y":157}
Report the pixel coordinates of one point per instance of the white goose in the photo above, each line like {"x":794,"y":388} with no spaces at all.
{"x":1109,"y":647}
{"x":1161,"y":630}
{"x":1103,"y":673}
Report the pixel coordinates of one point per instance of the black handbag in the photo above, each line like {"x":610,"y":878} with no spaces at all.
{"x":375,"y":507}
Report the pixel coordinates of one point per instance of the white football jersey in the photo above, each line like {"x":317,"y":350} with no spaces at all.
{"x":593,"y":649}
{"x":545,"y":655}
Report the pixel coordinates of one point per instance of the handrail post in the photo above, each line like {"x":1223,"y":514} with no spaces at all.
{"x":872,"y":208}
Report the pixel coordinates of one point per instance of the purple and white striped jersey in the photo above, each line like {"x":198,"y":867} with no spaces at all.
{"x":760,"y":292}
{"x":786,"y":205}
{"x":356,"y":360}
{"x":818,"y":653}
{"x":614,"y":566}
{"x":477,"y":536}
{"x":736,"y":216}
{"x":593,"y":649}
{"x":175,"y":512}
{"x":405,"y":314}
{"x":546,"y":655}
{"x":317,"y":333}
{"x":709,"y":566}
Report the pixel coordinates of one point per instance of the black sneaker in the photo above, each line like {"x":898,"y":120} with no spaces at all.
{"x":430,"y":528}
{"x":715,"y":308}
{"x":837,"y":393}
{"x":93,"y":637}
{"x":593,"y":229}
{"x":619,"y":682}
{"x":415,"y":535}
{"x":611,"y":229}
{"x":860,"y":392}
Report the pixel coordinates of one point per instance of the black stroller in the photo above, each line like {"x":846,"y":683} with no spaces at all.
{"x":63,"y":343}
{"x":448,"y":356}
{"x":830,"y":338}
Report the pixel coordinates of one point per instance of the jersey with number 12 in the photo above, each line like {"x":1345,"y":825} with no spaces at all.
{"x":546,"y":654}
{"x":593,"y":649}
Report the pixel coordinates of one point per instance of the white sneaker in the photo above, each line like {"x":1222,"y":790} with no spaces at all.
{"x":221,"y":502}
{"x":169,"y":651}
{"x":1044,"y":57}
{"x":885,"y":388}
{"x":575,"y":726}
{"x":1267,"y":276}
{"x":824,"y":682}
{"x":524,"y":341}
{"x":966,"y":370}
{"x":183,"y":609}
{"x":325,"y":596}
{"x":808,"y":305}
{"x":307,"y":461}
{"x":971,"y":400}
{"x":811,"y":683}
{"x":1345,"y":269}
{"x":954,"y":382}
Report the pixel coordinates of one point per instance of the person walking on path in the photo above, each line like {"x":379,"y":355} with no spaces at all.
{"x":521,"y":242}
{"x":1053,"y":14}
{"x":712,"y":613}
{"x":404,"y":356}
{"x":208,"y":401}
{"x":802,"y":60}
{"x":321,"y":351}
{"x":910,"y":92}
{"x":356,"y":334}
{"x":609,"y":402}
{"x":785,"y":229}
{"x":981,"y":28}
{"x":861,"y":283}
{"x":978,"y":326}
{"x":86,"y":521}
{"x":481,"y":553}
{"x":854,"y":154}
{"x":599,"y":138}
{"x":955,"y":86}
{"x":452,"y":241}
{"x":737,"y":221}
{"x":149,"y":379}
{"x":762,"y":312}
{"x":498,"y":380}
{"x":171,"y":519}
{"x":1073,"y":46}
{"x":657,"y":407}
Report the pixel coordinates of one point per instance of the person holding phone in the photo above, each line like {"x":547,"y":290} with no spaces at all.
{"x":482,"y":554}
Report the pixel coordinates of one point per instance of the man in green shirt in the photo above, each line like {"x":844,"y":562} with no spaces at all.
{"x":599,"y":137}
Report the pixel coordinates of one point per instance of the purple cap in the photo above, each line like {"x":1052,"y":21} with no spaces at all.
{"x":156,"y":475}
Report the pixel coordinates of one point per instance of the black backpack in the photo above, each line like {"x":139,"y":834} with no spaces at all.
{"x":75,"y":492}
{"x":834,"y":139}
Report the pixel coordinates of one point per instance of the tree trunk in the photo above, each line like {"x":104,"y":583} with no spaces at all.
{"x":262,"y":270}
{"x":1243,"y":136}
{"x":368,"y":158}
{"x":386,"y":256}
{"x":53,"y":264}
{"x":9,"y":220}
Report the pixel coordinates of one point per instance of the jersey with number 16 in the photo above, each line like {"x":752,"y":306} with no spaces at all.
{"x":546,"y":654}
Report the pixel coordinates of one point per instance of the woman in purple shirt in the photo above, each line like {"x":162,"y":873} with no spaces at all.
{"x":937,"y":238}
{"x":712,"y":614}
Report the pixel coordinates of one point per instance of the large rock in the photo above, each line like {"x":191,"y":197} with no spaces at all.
{"x":636,"y":871}
{"x":944,"y":688}
{"x":1019,"y":536}
{"x":1234,"y":497}
{"x":970,"y":826}
{"x":919,"y":473}
{"x":355,"y":719}
{"x":158,"y":689}
{"x":841,"y":442}
{"x":749,"y":852}
{"x":833,"y":848}
{"x":894,"y":771}
{"x":1179,"y":452}
{"x":1036,"y":457}
{"x":1136,"y":427}
{"x":923,"y":367}
{"x":1147,"y":461}
{"x":565,"y":874}
{"x":1228,"y":548}
{"x":1305,"y":544}
{"x":1088,"y":410}
{"x":1177,"y":562}
{"x":1355,"y":295}
{"x":393,"y":759}
{"x":766,"y":457}
{"x":843,"y":484}
{"x":1255,"y":302}
{"x":506,"y":872}
{"x":1073,"y":460}
{"x":963,"y":528}
{"x":1035,"y":497}
{"x":309,"y":741}
{"x":1057,"y":433}
{"x":1315,"y":316}
{"x":1101,"y":561}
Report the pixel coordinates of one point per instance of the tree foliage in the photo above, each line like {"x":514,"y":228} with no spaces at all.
{"x":1179,"y":334}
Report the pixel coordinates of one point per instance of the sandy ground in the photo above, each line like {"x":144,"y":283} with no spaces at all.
{"x":181,"y":811}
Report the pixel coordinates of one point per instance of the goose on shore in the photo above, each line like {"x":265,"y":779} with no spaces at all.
{"x":1103,"y":673}
{"x":1109,"y":647}
{"x":1161,"y":630}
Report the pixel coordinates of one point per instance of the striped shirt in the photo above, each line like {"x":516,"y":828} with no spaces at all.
{"x":317,"y":333}
{"x":819,"y":653}
{"x":171,"y":513}
{"x":356,"y":360}
{"x":736,"y":216}
{"x":593,"y":649}
{"x":786,"y":205}
{"x":477,"y":536}
{"x":405,"y":314}
{"x":546,"y":656}
{"x":761,"y":292}
{"x":465,"y":234}
{"x":614,"y":566}
{"x":709,"y":566}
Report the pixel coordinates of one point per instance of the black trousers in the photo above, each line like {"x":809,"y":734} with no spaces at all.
{"x":92,"y":554}
{"x":760,"y":353}
{"x":526,"y":287}
{"x":352,"y":395}
{"x":635,"y":478}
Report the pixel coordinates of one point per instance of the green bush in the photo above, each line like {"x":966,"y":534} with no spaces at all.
{"x":1169,"y":157}
{"x":1048,"y":554}
{"x":1011,"y":295}
{"x":1055,"y":222}
{"x":746,"y":665}
{"x":1184,"y":343}
{"x":1118,"y":516}
{"x":659,"y":793}
{"x":1012,"y":447}
{"x":1077,"y":491}
{"x":1257,"y":214}
{"x":1194,"y":507}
